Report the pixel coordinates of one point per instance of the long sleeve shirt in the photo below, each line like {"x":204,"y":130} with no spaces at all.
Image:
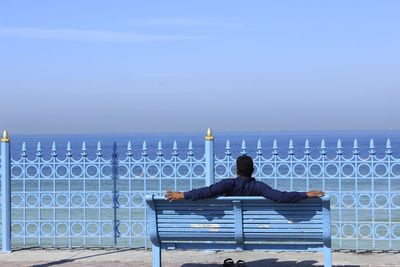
{"x":243,"y":186}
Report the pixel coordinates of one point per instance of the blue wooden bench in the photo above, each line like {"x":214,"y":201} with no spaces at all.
{"x":244,"y":223}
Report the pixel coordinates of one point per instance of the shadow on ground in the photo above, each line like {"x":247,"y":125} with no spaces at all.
{"x":63,"y":261}
{"x":269,"y":262}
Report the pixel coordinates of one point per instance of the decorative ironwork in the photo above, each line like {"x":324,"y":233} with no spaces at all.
{"x":365,"y":192}
{"x":76,"y":200}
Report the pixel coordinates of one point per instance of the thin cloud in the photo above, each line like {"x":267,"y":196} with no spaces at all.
{"x":183,"y":22}
{"x":89,"y":35}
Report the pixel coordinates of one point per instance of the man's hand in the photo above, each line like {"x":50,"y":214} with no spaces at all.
{"x":171,"y":195}
{"x":315,"y":193}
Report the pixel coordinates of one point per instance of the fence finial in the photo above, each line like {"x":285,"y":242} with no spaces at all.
{"x":275,"y":147}
{"x":39,"y":150}
{"x":6,"y":138}
{"x":144,"y":149}
{"x":307,"y":147}
{"x":159,"y":149}
{"x":259,"y":148}
{"x":84,"y":153}
{"x":190,"y":149}
{"x":99,"y":152}
{"x":69,"y":150}
{"x":388,"y":147}
{"x":23,"y":150}
{"x":228,"y":151}
{"x":175,"y":149}
{"x":339,"y":150}
{"x":291,"y":147}
{"x":54,"y":150}
{"x":129,"y":149}
{"x":209,"y":136}
{"x":355,"y":147}
{"x":372,"y":147}
{"x":323,"y":147}
{"x":84,"y":145}
{"x":243,"y":149}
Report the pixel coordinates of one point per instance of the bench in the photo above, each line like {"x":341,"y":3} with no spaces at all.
{"x":240,"y":223}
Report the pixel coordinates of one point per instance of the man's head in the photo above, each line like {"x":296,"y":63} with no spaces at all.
{"x":244,"y":166}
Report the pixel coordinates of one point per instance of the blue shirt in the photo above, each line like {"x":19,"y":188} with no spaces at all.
{"x":243,"y":186}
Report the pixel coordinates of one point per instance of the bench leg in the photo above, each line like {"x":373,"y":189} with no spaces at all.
{"x":327,"y":257}
{"x":156,"y":253}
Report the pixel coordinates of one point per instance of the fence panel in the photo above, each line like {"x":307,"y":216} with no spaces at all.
{"x":62,"y":202}
{"x":146,"y":175}
{"x":76,"y":200}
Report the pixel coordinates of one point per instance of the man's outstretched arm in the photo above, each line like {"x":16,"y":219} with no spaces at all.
{"x":283,"y":196}
{"x":211,"y":191}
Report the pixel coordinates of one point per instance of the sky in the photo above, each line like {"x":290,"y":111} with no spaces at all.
{"x":182,"y":66}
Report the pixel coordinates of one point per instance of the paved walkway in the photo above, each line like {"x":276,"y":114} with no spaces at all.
{"x":179,"y":258}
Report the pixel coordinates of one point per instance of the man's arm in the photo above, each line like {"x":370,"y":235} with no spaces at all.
{"x":283,"y":196}
{"x":211,"y":191}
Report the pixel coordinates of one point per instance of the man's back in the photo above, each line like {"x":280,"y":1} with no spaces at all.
{"x":244,"y":186}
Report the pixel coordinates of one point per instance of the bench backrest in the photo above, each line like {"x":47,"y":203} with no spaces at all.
{"x":241,"y":222}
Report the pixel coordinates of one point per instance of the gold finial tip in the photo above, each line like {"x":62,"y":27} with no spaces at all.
{"x":5,"y":138}
{"x":209,"y":135}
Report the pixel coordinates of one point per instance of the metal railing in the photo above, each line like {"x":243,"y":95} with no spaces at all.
{"x":84,"y":202}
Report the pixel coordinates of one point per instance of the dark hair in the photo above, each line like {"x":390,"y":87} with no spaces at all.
{"x":244,"y":166}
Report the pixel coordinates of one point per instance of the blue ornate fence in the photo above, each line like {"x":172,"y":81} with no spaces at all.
{"x":72,"y":201}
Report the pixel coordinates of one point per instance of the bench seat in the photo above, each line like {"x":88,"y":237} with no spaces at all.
{"x":241,"y":223}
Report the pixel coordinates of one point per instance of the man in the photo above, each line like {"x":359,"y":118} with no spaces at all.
{"x":242,"y":185}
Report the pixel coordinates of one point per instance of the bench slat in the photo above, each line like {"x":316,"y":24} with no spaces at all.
{"x":199,"y":211}
{"x":169,"y":207}
{"x":248,"y":205}
{"x":196,"y":226}
{"x":303,"y":214}
{"x":281,"y":226}
{"x":273,"y":205}
{"x":200,"y":219}
{"x":279,"y":208}
{"x":299,"y":246}
{"x":179,"y":220}
{"x":282,"y":213}
{"x":194,"y":217}
{"x":206,"y":231}
{"x":283,"y":231}
{"x":205,"y":236}
{"x":278,"y":236}
{"x":260,"y":220}
{"x":193,"y":205}
{"x":214,"y":223}
{"x":206,"y":212}
{"x":248,"y":208}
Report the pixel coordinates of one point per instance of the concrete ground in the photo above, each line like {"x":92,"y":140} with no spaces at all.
{"x":178,"y":258}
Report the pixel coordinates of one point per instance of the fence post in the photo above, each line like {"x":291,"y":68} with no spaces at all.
{"x":5,"y":193}
{"x":114,"y":163}
{"x":209,"y":156}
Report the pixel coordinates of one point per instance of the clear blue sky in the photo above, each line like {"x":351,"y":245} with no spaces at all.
{"x":167,"y":66}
